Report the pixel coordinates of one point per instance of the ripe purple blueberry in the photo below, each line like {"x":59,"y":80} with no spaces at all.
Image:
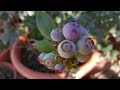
{"x":72,"y":31}
{"x":56,"y":34}
{"x":66,"y":49}
{"x":59,"y":68}
{"x":49,"y":60}
{"x":85,"y":45}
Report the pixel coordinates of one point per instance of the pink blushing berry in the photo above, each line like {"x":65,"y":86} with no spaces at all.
{"x":59,"y":68}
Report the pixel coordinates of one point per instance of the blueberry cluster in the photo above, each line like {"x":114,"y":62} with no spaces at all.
{"x":73,"y":46}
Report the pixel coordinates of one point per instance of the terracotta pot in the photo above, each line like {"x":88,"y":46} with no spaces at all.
{"x":10,"y":67}
{"x":95,"y":64}
{"x":31,"y":74}
{"x":113,"y":41}
{"x":5,"y":55}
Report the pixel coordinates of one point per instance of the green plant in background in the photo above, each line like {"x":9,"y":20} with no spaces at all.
{"x":30,"y":25}
{"x":9,"y":33}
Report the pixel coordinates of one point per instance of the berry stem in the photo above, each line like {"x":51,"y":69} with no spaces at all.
{"x":55,"y":45}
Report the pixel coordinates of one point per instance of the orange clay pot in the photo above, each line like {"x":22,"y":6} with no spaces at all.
{"x":95,"y":64}
{"x":86,"y":69}
{"x":9,"y":66}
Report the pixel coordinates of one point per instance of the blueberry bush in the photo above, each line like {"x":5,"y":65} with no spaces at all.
{"x":64,"y":36}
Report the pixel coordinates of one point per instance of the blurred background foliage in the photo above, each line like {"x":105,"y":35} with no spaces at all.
{"x":99,"y":23}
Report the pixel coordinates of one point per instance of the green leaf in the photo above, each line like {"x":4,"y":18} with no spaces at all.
{"x":44,"y":46}
{"x":45,"y":24}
